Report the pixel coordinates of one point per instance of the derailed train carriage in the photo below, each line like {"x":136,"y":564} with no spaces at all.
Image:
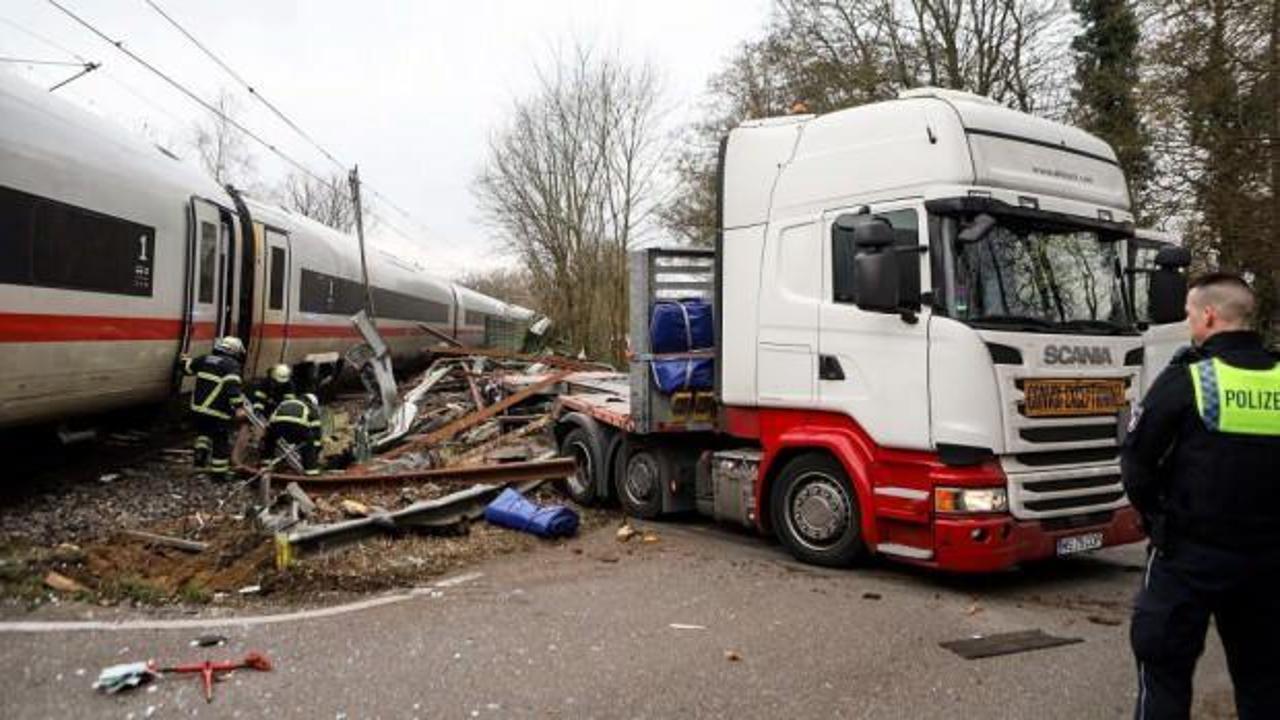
{"x":116,"y":257}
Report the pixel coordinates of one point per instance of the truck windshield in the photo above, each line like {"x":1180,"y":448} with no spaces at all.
{"x":1030,"y":277}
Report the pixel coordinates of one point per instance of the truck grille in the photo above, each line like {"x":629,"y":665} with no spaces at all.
{"x":1059,"y":492}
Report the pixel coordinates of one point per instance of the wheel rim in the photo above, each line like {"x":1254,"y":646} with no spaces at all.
{"x":819,"y":512}
{"x":580,"y":480}
{"x":641,"y":481}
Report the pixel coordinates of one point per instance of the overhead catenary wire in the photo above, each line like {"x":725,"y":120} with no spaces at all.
{"x":29,"y":61}
{"x":119,"y":45}
{"x":275,"y":110}
{"x":41,"y":38}
{"x":104,"y":72}
{"x":251,"y":90}
{"x":232,"y":122}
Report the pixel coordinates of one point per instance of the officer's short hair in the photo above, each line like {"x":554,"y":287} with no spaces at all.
{"x":1227,"y":293}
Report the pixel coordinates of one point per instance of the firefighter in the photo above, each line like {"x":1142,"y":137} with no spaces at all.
{"x":269,"y":392}
{"x":296,"y":420}
{"x":214,"y":402}
{"x":1200,"y":466}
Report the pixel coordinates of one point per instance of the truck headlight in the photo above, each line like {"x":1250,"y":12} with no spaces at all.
{"x":970,"y":500}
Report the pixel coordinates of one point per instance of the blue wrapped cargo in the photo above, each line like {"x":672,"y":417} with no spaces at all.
{"x":683,"y":374}
{"x":513,"y":510}
{"x":681,"y":326}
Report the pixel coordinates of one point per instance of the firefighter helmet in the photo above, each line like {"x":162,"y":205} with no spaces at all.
{"x":280,"y":374}
{"x":229,"y":346}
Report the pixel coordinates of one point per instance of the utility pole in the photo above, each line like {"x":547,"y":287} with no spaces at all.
{"x":354,"y":179}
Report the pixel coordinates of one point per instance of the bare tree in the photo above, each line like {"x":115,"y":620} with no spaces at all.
{"x":824,"y":55}
{"x":1210,"y":89}
{"x":507,"y":284}
{"x":224,"y":152}
{"x":325,"y":200}
{"x":569,"y":186}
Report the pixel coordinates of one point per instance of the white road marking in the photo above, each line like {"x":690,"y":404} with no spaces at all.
{"x":41,"y":626}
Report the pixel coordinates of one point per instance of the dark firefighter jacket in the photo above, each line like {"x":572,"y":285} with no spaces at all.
{"x":296,"y":412}
{"x":218,"y":385}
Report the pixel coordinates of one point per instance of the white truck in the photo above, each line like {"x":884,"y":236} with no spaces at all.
{"x":927,"y":335}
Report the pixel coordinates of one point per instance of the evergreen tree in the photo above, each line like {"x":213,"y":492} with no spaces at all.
{"x":1106,"y":52}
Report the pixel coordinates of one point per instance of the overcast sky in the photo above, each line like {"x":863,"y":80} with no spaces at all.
{"x":408,"y":89}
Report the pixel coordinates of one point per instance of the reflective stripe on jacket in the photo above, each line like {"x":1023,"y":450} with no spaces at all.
{"x":1237,"y":400}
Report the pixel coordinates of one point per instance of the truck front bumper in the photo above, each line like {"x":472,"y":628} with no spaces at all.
{"x":998,"y":542}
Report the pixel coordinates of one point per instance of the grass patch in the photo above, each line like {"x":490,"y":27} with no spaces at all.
{"x":194,"y":593}
{"x":133,"y":587}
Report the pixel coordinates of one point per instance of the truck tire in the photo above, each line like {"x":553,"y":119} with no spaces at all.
{"x":640,"y":486}
{"x":584,"y":447}
{"x":815,"y":512}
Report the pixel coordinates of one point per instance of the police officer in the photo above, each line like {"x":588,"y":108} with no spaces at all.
{"x":296,"y":420}
{"x":214,"y":401}
{"x":1201,"y":464}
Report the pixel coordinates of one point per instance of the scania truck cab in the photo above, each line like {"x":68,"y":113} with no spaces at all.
{"x":925,"y":342}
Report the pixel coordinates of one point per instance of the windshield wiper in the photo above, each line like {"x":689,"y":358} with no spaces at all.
{"x":1105,"y":327}
{"x":1016,"y":322}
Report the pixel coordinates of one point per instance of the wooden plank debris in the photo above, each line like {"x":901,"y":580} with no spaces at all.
{"x":166,"y":540}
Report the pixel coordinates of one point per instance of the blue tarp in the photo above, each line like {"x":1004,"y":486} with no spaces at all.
{"x":683,"y":374}
{"x":681,"y":326}
{"x":513,"y":510}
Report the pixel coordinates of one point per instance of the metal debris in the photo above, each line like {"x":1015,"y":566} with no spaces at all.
{"x":441,"y":515}
{"x":983,"y":646}
{"x":115,"y":678}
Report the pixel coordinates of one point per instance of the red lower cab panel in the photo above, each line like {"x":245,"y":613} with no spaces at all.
{"x":894,"y":489}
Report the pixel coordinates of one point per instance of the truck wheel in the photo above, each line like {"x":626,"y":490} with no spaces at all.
{"x":640,"y":487}
{"x":815,"y":512}
{"x":580,"y":444}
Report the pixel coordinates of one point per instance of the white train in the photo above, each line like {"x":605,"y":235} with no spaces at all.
{"x":115,"y":257}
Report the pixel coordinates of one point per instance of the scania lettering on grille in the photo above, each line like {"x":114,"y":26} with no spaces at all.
{"x":1077,"y":355}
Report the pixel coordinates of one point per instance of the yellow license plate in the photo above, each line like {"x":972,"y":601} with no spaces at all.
{"x":1067,"y":398}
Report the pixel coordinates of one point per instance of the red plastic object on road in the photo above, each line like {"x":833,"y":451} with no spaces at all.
{"x":208,"y":668}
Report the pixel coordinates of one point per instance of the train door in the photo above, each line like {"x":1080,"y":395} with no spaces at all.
{"x":208,"y":311}
{"x":275,"y":318}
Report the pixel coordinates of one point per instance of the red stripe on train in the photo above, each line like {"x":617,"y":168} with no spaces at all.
{"x":30,"y":327}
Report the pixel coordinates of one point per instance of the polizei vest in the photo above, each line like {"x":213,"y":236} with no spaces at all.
{"x":1236,"y":400}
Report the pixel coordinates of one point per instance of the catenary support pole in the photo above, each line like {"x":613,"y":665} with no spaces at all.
{"x":354,"y":179}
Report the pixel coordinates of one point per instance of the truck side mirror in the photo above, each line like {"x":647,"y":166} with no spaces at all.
{"x":868,"y":269}
{"x":1167,"y":295}
{"x":1173,"y":256}
{"x":875,"y":276}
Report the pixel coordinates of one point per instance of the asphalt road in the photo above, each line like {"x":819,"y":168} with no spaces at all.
{"x":599,"y":629}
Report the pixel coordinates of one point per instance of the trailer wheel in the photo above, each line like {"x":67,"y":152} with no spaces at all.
{"x":580,"y":444}
{"x":640,"y":487}
{"x":815,"y":512}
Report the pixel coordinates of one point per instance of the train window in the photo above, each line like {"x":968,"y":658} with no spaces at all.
{"x":331,"y":295}
{"x":475,"y":317}
{"x":47,"y":243}
{"x":17,"y":227}
{"x":208,"y":261}
{"x":277,"y":278}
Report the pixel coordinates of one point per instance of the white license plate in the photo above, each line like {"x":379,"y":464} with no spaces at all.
{"x":1079,"y":543}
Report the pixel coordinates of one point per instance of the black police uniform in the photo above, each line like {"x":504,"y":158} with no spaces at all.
{"x":297,"y":422}
{"x":214,"y":401}
{"x":1211,"y":504}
